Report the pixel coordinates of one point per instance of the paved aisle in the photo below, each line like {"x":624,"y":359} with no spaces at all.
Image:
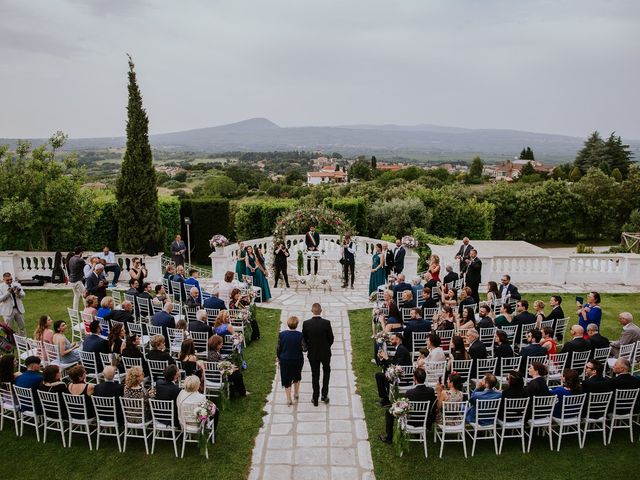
{"x":323,"y":442}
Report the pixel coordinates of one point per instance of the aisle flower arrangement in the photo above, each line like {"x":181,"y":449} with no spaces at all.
{"x":204,"y":416}
{"x":400,"y":409}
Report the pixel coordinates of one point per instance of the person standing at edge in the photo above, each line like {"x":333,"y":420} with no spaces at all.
{"x":318,"y":336}
{"x":312,"y":242}
{"x":280,"y":263}
{"x":349,"y":260}
{"x":177,"y":250}
{"x":474,"y":273}
{"x":398,"y":257}
{"x":11,"y":307}
{"x":464,"y":253}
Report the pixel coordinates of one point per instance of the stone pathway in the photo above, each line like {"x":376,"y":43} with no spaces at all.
{"x":323,"y":442}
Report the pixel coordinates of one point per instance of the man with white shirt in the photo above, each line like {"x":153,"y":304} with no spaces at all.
{"x":108,"y":259}
{"x":348,"y":260}
{"x":11,"y":307}
{"x":398,"y":257}
{"x":507,"y":289}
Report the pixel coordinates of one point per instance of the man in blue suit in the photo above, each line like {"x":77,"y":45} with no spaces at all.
{"x":165,"y":320}
{"x":415,"y":324}
{"x":94,"y":343}
{"x":214,"y":302}
{"x":192,"y":281}
{"x":400,"y":287}
{"x":485,"y":390}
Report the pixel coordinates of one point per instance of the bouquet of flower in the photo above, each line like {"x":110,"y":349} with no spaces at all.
{"x":394,"y":373}
{"x":409,"y":242}
{"x":399,"y":409}
{"x":238,"y":342}
{"x":226,"y":368}
{"x":218,"y":241}
{"x":381,"y":337}
{"x":236,"y":351}
{"x":204,"y":416}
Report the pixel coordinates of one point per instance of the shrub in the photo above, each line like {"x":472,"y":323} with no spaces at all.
{"x":257,"y":218}
{"x":397,"y":217}
{"x":424,"y":251}
{"x":208,"y":217}
{"x":354,"y":210}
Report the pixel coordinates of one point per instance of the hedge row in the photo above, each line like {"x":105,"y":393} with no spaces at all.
{"x":208,"y":216}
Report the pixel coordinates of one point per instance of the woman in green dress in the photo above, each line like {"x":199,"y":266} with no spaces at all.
{"x":258,"y":271}
{"x":377,"y":276}
{"x":241,"y":269}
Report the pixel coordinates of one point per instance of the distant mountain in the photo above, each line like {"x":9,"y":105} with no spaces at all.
{"x":260,"y":134}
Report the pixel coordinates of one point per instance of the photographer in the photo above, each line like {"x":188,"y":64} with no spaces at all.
{"x":348,"y":260}
{"x":11,"y":307}
{"x":280,"y":263}
{"x":138,"y":272}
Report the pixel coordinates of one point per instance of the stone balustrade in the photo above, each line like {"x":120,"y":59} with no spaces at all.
{"x":25,"y":265}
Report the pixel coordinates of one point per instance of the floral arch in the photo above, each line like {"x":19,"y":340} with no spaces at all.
{"x":299,"y":220}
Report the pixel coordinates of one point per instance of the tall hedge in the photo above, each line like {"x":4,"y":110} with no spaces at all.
{"x":257,"y":218}
{"x":170,"y":219}
{"x":209,"y":216}
{"x":354,"y":210}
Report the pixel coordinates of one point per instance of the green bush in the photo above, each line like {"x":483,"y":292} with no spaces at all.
{"x":354,"y":209}
{"x":257,"y":218}
{"x":397,"y":217}
{"x":424,"y":251}
{"x":209,"y":216}
{"x":170,"y":219}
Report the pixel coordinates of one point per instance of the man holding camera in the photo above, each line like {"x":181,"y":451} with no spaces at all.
{"x":11,"y":307}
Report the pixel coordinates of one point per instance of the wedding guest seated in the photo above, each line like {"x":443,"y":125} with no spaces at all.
{"x":457,"y":351}
{"x":523,"y":317}
{"x":161,"y":294}
{"x":623,"y":380}
{"x":134,"y":388}
{"x":477,"y":349}
{"x":79,"y":385}
{"x":44,"y":332}
{"x":94,"y":343}
{"x":110,"y":387}
{"x":52,"y":381}
{"x":451,"y":276}
{"x":449,"y":298}
{"x":466,"y":299}
{"x":200,"y":323}
{"x":415,"y":324}
{"x":402,"y":357}
{"x":90,"y":307}
{"x":548,"y":342}
{"x":595,"y":339}
{"x":400,"y":286}
{"x":485,"y":390}
{"x":533,"y":349}
{"x":167,"y":388}
{"x":538,"y":308}
{"x":68,"y":350}
{"x":106,"y":307}
{"x":427,"y":301}
{"x":236,"y":378}
{"x":222,"y":326}
{"x":188,"y":400}
{"x":504,"y":319}
{"x":124,"y":315}
{"x":132,"y":350}
{"x":187,"y":356}
{"x":577,"y":343}
{"x":570,"y":386}
{"x":157,"y":351}
{"x":8,"y":364}
{"x":116,"y":339}
{"x":485,"y":320}
{"x":434,"y":351}
{"x":406,"y":299}
{"x":214,"y":301}
{"x":416,"y":285}
{"x":225,"y":288}
{"x":146,"y":291}
{"x":133,"y":287}
{"x":419,"y":393}
{"x":453,"y":393}
{"x":501,"y":348}
{"x":32,"y":377}
{"x":193,"y":300}
{"x":393,"y":321}
{"x":630,"y":333}
{"x":164,"y":319}
{"x":192,"y":281}
{"x":594,"y":380}
{"x":537,"y":386}
{"x":514,"y":388}
{"x":466,"y":320}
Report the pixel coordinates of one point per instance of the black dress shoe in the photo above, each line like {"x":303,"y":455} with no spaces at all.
{"x":315,"y":402}
{"x":384,"y":439}
{"x":325,"y":399}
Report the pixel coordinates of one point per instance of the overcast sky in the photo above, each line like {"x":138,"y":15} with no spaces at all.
{"x":549,"y":66}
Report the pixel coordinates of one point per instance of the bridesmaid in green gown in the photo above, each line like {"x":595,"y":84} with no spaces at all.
{"x":377,"y":276}
{"x":241,"y":269}
{"x":257,"y":270}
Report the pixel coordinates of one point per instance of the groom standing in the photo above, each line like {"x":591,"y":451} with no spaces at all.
{"x":318,"y":335}
{"x":312,"y":240}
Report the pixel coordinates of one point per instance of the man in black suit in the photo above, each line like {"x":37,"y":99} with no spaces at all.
{"x":419,"y":393}
{"x":400,"y":287}
{"x":533,"y":349}
{"x":94,"y":343}
{"x":388,"y":259}
{"x":473,"y":276}
{"x":556,"y":312}
{"x":193,"y":300}
{"x":110,"y":387}
{"x":594,"y":381}
{"x":178,"y":248}
{"x":398,"y":257}
{"x":402,"y":357}
{"x":577,"y":343}
{"x":167,"y":388}
{"x":415,"y":324}
{"x":477,"y":350}
{"x":96,"y":283}
{"x":507,"y":289}
{"x":451,"y":276}
{"x":485,"y":320}
{"x":349,"y":261}
{"x":165,"y":320}
{"x":537,"y":386}
{"x":200,"y":323}
{"x":467,"y":301}
{"x":146,"y":291}
{"x":133,"y":287}
{"x":623,"y":379}
{"x":595,"y":339}
{"x":312,"y":242}
{"x":427,"y":300}
{"x":522,"y":317}
{"x":124,"y":315}
{"x":464,"y":253}
{"x":318,"y":336}
{"x":214,"y":301}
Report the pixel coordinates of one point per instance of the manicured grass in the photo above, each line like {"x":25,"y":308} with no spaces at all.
{"x":229,"y":458}
{"x":617,"y":460}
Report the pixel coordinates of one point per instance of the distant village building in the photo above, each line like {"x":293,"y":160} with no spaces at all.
{"x":171,"y":171}
{"x":509,"y":170}
{"x":451,"y":168}
{"x":327,"y":174}
{"x":387,"y":167}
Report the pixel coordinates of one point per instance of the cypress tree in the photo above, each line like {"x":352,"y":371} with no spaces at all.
{"x":139,"y":229}
{"x":374,"y":162}
{"x":529,"y":154}
{"x":523,"y":155}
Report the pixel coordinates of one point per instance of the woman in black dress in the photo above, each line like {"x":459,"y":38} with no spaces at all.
{"x":290,"y":358}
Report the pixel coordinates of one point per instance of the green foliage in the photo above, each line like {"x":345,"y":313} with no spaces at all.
{"x":257,"y":218}
{"x":616,"y":175}
{"x":582,"y":248}
{"x":424,"y":251}
{"x":360,"y":170}
{"x":374,"y":162}
{"x":475,"y":171}
{"x":397,"y":216}
{"x":527,"y":169}
{"x":252,"y":176}
{"x":139,"y":229}
{"x":354,"y":210}
{"x":169,"y":219}
{"x":42,"y":206}
{"x":612,"y":152}
{"x":209,"y":216}
{"x":599,"y":213}
{"x":575,"y":174}
{"x":220,"y":186}
{"x":633,"y":224}
{"x":526,"y":154}
{"x":180,"y":177}
{"x":387,"y":238}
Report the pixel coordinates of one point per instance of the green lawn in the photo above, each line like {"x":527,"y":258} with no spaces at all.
{"x":230,"y":457}
{"x":617,"y":460}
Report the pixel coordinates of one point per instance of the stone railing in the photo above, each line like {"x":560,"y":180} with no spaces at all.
{"x":25,"y":265}
{"x":224,"y":259}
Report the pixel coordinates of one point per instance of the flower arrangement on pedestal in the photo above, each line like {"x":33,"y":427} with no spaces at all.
{"x":409,"y":242}
{"x":218,"y":241}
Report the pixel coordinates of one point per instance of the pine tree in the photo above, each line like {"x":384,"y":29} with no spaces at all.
{"x":618,"y":155}
{"x":475,"y":171}
{"x":529,"y":154}
{"x":523,"y":155}
{"x":139,"y":229}
{"x":605,"y":168}
{"x":528,"y":169}
{"x":374,"y":162}
{"x":591,"y":154}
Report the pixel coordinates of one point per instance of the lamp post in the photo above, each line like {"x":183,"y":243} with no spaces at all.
{"x":187,"y":222}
